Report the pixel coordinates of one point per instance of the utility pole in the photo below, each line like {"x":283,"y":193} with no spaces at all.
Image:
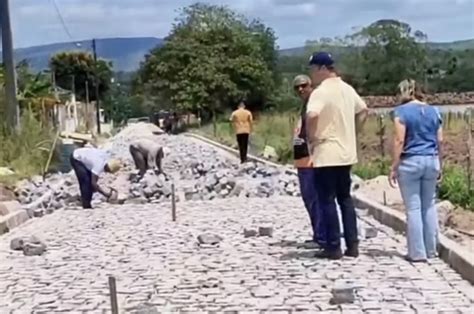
{"x":96,"y":74}
{"x":73,"y":84}
{"x":87,"y":105}
{"x":87,"y":93}
{"x":11,"y":110}
{"x":56,"y":96}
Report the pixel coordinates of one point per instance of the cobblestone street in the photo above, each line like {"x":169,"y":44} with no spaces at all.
{"x":158,"y":263}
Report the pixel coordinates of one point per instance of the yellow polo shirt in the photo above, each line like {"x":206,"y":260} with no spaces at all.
{"x":336,"y":104}
{"x":242,"y":121}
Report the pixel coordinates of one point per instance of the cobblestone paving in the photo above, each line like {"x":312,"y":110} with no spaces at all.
{"x":158,"y":263}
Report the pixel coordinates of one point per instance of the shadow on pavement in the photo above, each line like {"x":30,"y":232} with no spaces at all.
{"x":298,"y":255}
{"x":382,"y":253}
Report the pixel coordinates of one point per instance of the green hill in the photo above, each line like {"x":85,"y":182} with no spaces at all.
{"x":126,"y":53}
{"x":454,"y":45}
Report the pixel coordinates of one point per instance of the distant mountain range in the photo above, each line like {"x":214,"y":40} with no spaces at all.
{"x":454,"y":45}
{"x":127,"y":53}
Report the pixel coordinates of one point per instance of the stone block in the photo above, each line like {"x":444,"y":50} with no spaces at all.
{"x":13,"y":220}
{"x":209,"y":239}
{"x":370,"y":233}
{"x":6,"y":194}
{"x":265,"y":231}
{"x":249,"y":233}
{"x":34,"y":249}
{"x":18,"y":243}
{"x":342,"y":294}
{"x":9,"y":207}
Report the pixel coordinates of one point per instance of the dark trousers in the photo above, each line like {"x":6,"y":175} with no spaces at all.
{"x":307,"y":181}
{"x":84,"y":176}
{"x":243,"y":142}
{"x":139,"y":159}
{"x":335,"y":183}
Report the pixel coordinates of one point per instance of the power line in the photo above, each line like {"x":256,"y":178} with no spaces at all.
{"x":61,"y":19}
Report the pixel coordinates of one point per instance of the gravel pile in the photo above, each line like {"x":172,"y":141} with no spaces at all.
{"x":56,"y":191}
{"x":150,"y":188}
{"x":199,"y":172}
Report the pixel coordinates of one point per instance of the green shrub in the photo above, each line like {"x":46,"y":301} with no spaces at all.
{"x":454,"y":187}
{"x":26,"y":151}
{"x":378,"y":167}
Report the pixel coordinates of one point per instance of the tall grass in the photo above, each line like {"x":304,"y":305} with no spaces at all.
{"x":276,"y":130}
{"x":26,"y":150}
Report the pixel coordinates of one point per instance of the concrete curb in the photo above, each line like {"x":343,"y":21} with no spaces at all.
{"x":234,"y":151}
{"x":12,"y":220}
{"x":449,"y":251}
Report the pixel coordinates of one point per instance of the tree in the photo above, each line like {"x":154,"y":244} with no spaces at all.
{"x":32,"y":88}
{"x":266,"y":38}
{"x":390,"y":52}
{"x":450,"y":71}
{"x":116,"y":104}
{"x":76,"y":69}
{"x":212,"y":58}
{"x":119,"y":105}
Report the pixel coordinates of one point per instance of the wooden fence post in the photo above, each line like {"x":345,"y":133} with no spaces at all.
{"x":382,"y":135}
{"x":470,"y":150}
{"x":173,"y":202}
{"x":113,"y":295}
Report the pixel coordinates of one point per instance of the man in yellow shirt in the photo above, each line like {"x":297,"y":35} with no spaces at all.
{"x":334,"y":112}
{"x":242,"y":122}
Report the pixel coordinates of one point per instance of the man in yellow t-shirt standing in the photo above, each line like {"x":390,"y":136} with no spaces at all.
{"x":242,"y":122}
{"x":334,"y":112}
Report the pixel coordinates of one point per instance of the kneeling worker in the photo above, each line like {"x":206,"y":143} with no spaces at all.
{"x":146,"y":154}
{"x":88,"y":164}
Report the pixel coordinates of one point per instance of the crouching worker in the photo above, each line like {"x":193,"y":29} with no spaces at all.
{"x":88,"y":164}
{"x":146,"y":154}
{"x":306,"y":172}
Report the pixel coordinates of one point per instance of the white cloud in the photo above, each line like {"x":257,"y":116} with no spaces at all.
{"x":36,"y":22}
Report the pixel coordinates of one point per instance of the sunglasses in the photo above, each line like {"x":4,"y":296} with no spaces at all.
{"x":297,"y":87}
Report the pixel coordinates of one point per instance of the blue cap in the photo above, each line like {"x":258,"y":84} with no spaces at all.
{"x":321,"y":59}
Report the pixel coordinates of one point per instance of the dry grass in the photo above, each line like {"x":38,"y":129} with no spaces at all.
{"x":375,"y":141}
{"x":26,"y":151}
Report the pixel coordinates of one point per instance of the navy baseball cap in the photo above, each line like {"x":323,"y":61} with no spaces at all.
{"x":321,"y":59}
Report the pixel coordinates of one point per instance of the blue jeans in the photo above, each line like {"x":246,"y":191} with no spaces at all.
{"x":309,"y":194}
{"x":84,"y":176}
{"x":335,"y":183}
{"x":417,"y":176}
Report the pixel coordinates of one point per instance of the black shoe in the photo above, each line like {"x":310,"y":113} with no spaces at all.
{"x":352,"y":251}
{"x":334,"y":255}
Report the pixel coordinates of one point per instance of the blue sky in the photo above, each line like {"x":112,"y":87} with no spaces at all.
{"x":35,"y":22}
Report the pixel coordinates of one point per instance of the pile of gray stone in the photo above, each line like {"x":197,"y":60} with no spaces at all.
{"x":199,"y":172}
{"x":40,"y":196}
{"x":248,"y":180}
{"x":150,"y":188}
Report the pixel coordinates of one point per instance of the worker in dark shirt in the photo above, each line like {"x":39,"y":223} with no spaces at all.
{"x":303,"y":87}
